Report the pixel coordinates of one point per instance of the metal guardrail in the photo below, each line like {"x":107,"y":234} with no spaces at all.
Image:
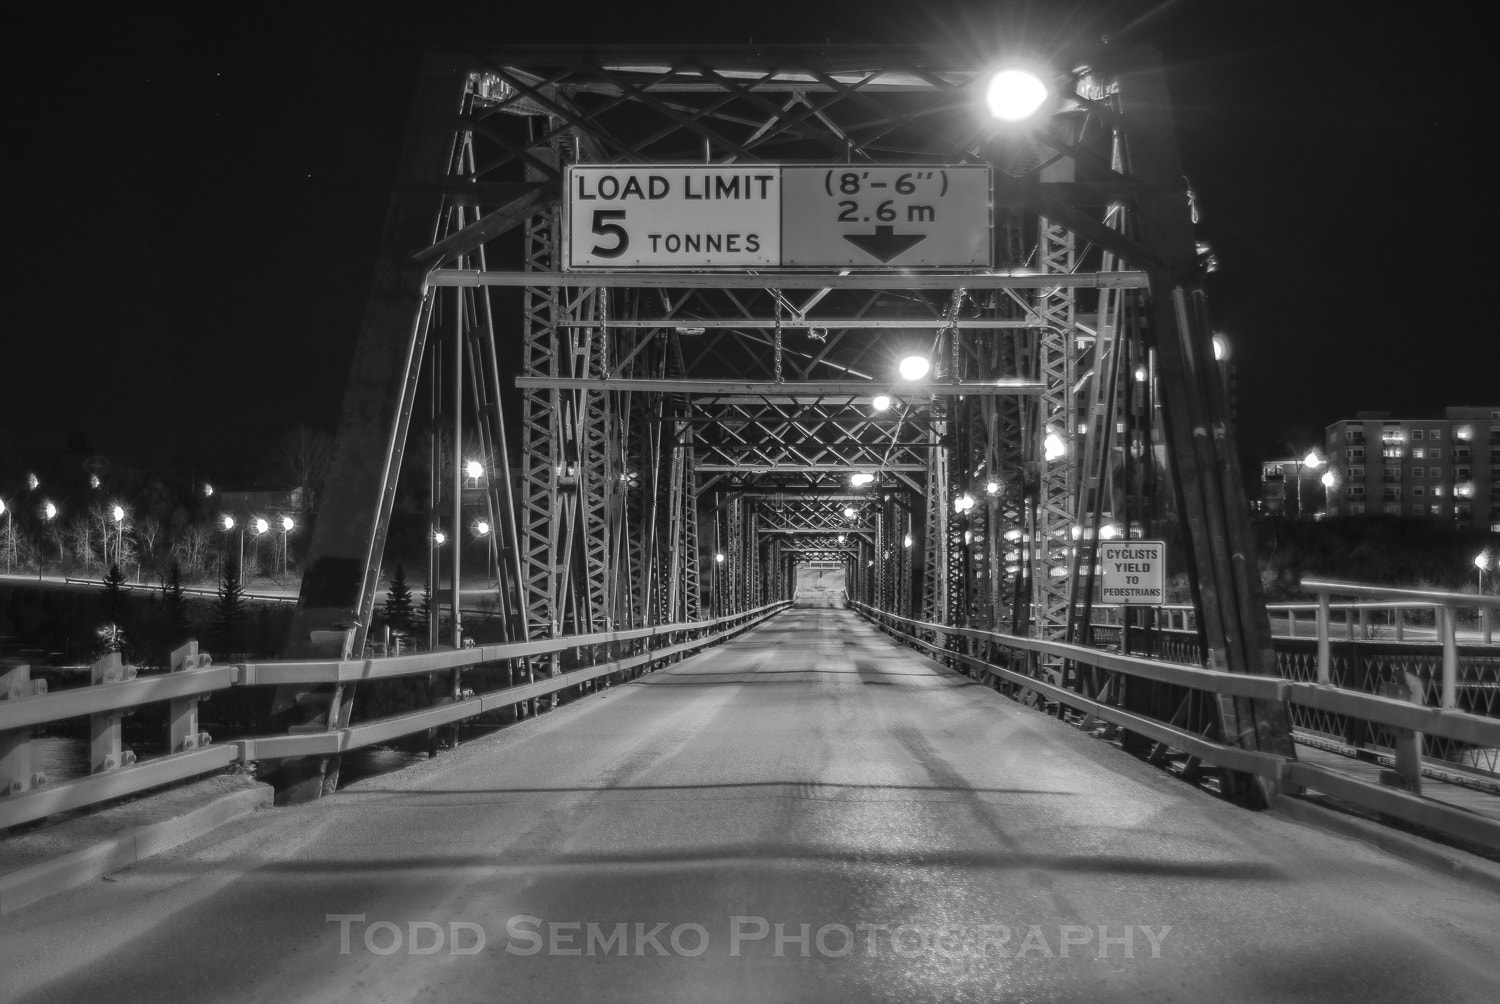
{"x":1286,"y":616}
{"x":1288,"y":773}
{"x":26,"y":796}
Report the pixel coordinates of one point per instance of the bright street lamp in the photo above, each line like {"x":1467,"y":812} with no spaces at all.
{"x":719,"y":558}
{"x":849,"y":512}
{"x":1311,"y":462}
{"x":914,"y":367}
{"x":861,"y":478}
{"x":880,"y":402}
{"x":1053,"y":447}
{"x":906,"y":541}
{"x":287,"y":526}
{"x":439,"y":538}
{"x":481,"y":528}
{"x":117,"y":513}
{"x":1015,"y":94}
{"x":474,"y":469}
{"x":226,"y":523}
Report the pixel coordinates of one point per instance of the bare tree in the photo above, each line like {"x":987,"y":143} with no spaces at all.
{"x":149,"y":535}
{"x":56,"y":533}
{"x":301,"y":459}
{"x":81,"y":540}
{"x":191,"y":546}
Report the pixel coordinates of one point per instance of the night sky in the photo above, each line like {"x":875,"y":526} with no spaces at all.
{"x":200,"y":196}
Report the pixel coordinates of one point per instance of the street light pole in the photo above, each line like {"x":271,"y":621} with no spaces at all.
{"x":10,"y":536}
{"x":1310,"y":462}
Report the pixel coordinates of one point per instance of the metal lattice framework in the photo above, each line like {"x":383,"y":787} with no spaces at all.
{"x":669,"y":418}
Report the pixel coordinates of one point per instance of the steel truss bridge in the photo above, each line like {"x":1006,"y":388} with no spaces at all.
{"x":775,"y":803}
{"x":688,"y":438}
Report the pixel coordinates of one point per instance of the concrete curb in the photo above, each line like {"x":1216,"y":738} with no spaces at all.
{"x":27,"y":885}
{"x":1450,"y":861}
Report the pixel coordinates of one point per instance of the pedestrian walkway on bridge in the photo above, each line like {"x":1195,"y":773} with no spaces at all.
{"x":811,"y":812}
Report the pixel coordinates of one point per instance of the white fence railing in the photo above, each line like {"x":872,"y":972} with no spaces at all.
{"x":25,"y":704}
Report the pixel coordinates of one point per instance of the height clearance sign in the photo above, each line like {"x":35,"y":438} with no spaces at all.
{"x":1135,"y":572}
{"x":769,"y":216}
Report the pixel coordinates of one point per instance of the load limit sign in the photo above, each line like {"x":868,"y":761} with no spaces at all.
{"x":1135,"y":572}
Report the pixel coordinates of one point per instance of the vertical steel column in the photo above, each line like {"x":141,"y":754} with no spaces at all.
{"x":336,"y":601}
{"x":1205,"y":467}
{"x":1058,"y":428}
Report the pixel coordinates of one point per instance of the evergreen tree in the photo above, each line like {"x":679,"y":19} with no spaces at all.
{"x":115,"y":603}
{"x":398,"y":606}
{"x":424,"y":615}
{"x":174,"y":606}
{"x":229,"y":612}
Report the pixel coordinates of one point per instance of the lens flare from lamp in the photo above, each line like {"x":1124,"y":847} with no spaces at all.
{"x":1015,"y":94}
{"x":914,"y":367}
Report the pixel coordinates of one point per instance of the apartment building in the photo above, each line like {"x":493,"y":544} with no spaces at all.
{"x":1443,"y":469}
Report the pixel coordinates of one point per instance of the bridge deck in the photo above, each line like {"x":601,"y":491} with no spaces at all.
{"x":922,"y":837}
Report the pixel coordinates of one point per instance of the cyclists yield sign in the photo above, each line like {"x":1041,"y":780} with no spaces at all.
{"x":1135,"y":572}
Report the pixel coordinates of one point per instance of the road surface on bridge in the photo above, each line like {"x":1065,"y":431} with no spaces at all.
{"x":811,"y":813}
